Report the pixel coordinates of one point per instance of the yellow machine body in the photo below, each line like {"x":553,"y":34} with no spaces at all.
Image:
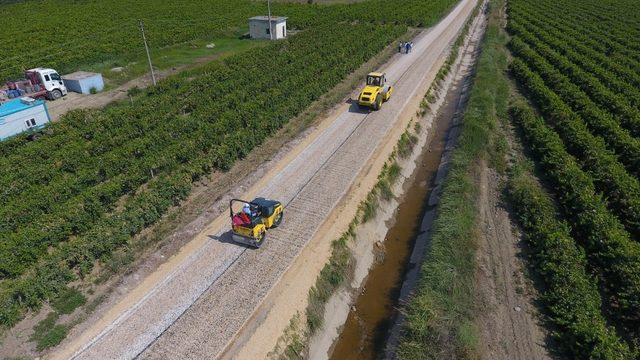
{"x":266,"y":214}
{"x":375,"y":92}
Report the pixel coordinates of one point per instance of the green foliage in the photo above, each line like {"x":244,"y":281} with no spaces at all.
{"x":108,"y":31}
{"x":406,"y":143}
{"x":571,"y":294}
{"x":597,"y":120}
{"x":607,"y":244}
{"x":47,"y":334}
{"x":99,"y":177}
{"x":45,"y":325}
{"x":52,"y":338}
{"x":134,"y":91}
{"x":296,"y":340}
{"x":332,"y":275}
{"x":583,"y":75}
{"x":555,"y":51}
{"x":606,"y":48}
{"x":440,"y":315}
{"x":393,"y":171}
{"x":386,"y":193}
{"x":601,"y":163}
{"x":68,"y":300}
{"x":369,"y":207}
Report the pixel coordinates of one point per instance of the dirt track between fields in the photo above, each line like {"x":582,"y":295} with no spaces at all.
{"x":195,"y":304}
{"x":509,"y":321}
{"x":74,"y":101}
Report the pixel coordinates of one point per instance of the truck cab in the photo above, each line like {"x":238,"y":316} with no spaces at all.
{"x":49,"y":80}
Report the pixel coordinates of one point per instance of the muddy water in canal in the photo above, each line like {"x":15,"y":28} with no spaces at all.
{"x":366,"y":328}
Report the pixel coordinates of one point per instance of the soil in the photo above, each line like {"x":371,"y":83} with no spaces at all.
{"x":373,"y":317}
{"x":290,"y":296}
{"x":508,"y":319}
{"x":206,"y":202}
{"x":364,"y":333}
{"x":197,"y":302}
{"x":95,"y":101}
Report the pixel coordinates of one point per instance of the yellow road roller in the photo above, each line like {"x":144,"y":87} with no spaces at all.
{"x":375,"y":92}
{"x":251,"y":219}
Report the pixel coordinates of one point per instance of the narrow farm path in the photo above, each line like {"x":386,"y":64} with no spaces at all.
{"x":509,"y":321}
{"x":75,"y":101}
{"x":194,"y":305}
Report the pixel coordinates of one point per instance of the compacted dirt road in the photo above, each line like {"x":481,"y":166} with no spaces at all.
{"x":509,"y":321}
{"x":194,"y":305}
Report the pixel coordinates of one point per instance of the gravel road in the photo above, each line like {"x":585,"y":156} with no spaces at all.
{"x":197,"y":309}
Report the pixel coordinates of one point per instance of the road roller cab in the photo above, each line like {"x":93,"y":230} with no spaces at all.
{"x":251,"y":219}
{"x":376,"y":91}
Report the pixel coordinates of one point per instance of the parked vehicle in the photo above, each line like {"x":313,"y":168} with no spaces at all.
{"x":39,"y":83}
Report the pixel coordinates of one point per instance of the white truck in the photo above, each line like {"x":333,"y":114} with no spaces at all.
{"x":39,"y":83}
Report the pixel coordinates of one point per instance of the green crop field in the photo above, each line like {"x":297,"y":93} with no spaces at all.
{"x":69,"y":37}
{"x":97,"y":178}
{"x":578,"y":63}
{"x":573,"y":186}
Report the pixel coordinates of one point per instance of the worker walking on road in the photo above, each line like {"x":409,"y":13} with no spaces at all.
{"x":400,"y":46}
{"x":407,"y":47}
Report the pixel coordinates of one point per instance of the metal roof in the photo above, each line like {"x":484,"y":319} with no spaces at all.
{"x":41,"y":69}
{"x":16,"y":105}
{"x":79,"y":75}
{"x":266,"y":18}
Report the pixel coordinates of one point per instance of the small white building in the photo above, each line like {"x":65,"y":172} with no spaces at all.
{"x":22,"y":114}
{"x":83,"y":82}
{"x":259,"y":27}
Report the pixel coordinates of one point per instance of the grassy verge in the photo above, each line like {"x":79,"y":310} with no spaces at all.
{"x":181,"y":55}
{"x":337,"y":272}
{"x":49,"y":331}
{"x":124,"y":260}
{"x":440,"y":315}
{"x":430,"y":97}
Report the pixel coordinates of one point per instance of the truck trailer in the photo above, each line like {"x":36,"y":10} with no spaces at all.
{"x":39,"y":83}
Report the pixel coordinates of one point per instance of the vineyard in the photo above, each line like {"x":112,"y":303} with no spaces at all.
{"x":95,"y":179}
{"x":70,"y":36}
{"x":578,"y":64}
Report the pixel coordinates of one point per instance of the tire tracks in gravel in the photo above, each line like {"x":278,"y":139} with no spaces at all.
{"x":201,"y":305}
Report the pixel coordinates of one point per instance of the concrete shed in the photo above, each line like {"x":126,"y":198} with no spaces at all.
{"x":259,"y":27}
{"x":82,"y":82}
{"x":22,"y":114}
